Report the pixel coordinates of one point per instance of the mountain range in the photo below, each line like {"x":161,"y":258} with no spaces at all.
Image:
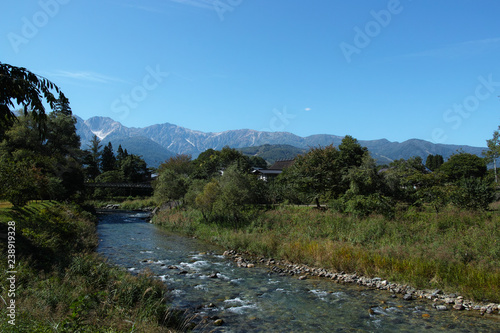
{"x":156,"y":143}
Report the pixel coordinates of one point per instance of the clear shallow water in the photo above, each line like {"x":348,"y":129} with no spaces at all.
{"x":255,"y":300}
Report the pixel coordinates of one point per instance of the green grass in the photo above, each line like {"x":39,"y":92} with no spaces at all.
{"x":457,"y":251}
{"x":63,"y":286}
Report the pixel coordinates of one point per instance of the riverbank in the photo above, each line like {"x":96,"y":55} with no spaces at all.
{"x":58,"y":283}
{"x":454,"y":252}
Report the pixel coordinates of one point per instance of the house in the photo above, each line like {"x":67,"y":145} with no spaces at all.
{"x":274,"y":170}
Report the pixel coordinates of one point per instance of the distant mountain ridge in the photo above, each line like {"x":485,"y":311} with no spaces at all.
{"x":157,"y":143}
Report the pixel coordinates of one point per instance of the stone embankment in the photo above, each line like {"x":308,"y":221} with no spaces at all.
{"x":440,"y":301}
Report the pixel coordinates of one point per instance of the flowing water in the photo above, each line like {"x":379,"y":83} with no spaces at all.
{"x":256,"y":300}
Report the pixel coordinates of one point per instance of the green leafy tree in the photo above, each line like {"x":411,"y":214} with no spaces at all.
{"x":20,"y":182}
{"x":351,"y":153}
{"x":258,"y":162}
{"x":464,"y":165}
{"x":22,"y":87}
{"x":92,"y":158}
{"x":433,"y":190}
{"x":365,"y":178}
{"x":206,"y":199}
{"x":493,"y":152}
{"x":173,"y":179}
{"x":212,"y":162}
{"x":56,"y":159}
{"x":113,"y":176}
{"x":403,"y":178}
{"x":433,"y":162}
{"x":180,"y":164}
{"x":134,"y":169}
{"x":61,"y":137}
{"x":365,"y":193}
{"x":316,"y":175}
{"x":121,"y":155}
{"x":472,"y":193}
{"x":170,"y":186}
{"x":320,"y":174}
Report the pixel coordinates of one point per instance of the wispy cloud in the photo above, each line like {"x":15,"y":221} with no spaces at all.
{"x":85,"y":76}
{"x":468,"y":48}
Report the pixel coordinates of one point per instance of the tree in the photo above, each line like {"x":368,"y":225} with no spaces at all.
{"x":258,"y":162}
{"x":317,"y":174}
{"x":226,"y":197}
{"x":170,"y":186}
{"x":472,"y":193}
{"x":20,"y":182}
{"x":92,"y":158}
{"x":62,"y":106}
{"x":134,"y":169}
{"x":365,"y":179}
{"x":404,"y":177}
{"x":180,"y":164}
{"x":113,"y":176}
{"x":206,"y":199}
{"x":211,"y":162}
{"x":20,"y":86}
{"x":320,"y":173}
{"x":57,"y":157}
{"x":493,"y":152}
{"x":173,"y":178}
{"x":351,"y":153}
{"x":61,"y":137}
{"x":464,"y":165}
{"x":108,"y":160}
{"x":121,"y":154}
{"x":433,"y":162}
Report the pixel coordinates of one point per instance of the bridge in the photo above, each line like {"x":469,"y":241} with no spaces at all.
{"x":146,"y":185}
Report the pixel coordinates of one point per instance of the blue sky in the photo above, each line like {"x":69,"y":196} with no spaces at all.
{"x":371,"y":69}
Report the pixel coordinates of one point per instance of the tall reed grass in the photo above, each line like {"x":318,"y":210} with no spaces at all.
{"x":457,"y":251}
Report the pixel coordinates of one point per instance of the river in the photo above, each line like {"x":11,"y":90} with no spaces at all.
{"x":256,"y":300}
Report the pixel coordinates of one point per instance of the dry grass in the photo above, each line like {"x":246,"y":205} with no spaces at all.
{"x":454,"y":250}
{"x":5,"y":204}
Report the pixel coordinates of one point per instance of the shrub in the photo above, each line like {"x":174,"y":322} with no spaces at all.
{"x":472,"y":193}
{"x":364,"y":205}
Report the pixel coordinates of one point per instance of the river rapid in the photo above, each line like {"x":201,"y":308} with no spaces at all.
{"x":212,"y":286}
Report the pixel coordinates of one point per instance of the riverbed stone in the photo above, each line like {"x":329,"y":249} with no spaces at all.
{"x":449,"y":300}
{"x":284,"y":267}
{"x":218,"y":322}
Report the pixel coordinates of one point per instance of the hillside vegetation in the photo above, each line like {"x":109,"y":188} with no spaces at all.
{"x":61,"y":285}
